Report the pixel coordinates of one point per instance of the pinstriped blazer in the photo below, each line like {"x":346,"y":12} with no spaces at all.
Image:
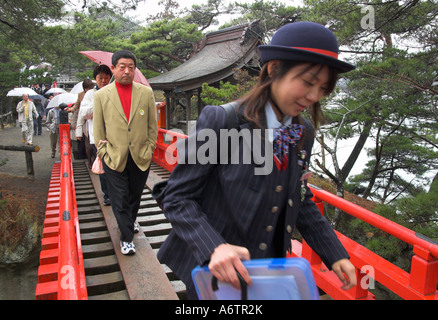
{"x":212,"y":204}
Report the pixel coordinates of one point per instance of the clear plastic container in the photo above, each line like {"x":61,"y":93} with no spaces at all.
{"x":273,"y":279}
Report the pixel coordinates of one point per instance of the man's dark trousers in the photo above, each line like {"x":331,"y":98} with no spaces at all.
{"x":125,"y":190}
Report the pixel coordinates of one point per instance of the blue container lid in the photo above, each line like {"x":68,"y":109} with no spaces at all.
{"x":273,"y":279}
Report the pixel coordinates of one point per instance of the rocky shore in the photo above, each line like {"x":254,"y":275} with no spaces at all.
{"x":24,"y":200}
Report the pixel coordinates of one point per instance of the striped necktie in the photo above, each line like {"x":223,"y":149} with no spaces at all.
{"x":285,"y":138}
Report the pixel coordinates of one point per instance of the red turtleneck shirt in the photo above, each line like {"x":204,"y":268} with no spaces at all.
{"x":125,"y":95}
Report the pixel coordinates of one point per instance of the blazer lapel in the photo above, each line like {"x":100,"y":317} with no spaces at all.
{"x":135,"y":102}
{"x":115,"y":99}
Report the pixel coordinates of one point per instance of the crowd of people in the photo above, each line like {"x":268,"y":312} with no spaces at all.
{"x":123,"y":142}
{"x":220,"y":213}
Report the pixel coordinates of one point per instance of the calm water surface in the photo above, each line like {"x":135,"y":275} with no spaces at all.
{"x":19,"y":282}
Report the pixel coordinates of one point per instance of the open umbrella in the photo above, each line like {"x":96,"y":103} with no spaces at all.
{"x":55,"y":90}
{"x":104,"y":57}
{"x":18,"y":92}
{"x":66,"y":98}
{"x":37,"y":97}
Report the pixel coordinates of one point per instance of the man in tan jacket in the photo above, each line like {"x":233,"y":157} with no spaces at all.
{"x":125,"y":131}
{"x":26,"y":113}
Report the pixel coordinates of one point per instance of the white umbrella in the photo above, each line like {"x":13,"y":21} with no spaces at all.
{"x":18,"y":92}
{"x":55,"y":90}
{"x":78,"y":88}
{"x":66,"y":98}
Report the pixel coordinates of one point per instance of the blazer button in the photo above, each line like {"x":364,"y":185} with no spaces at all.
{"x":263,"y":246}
{"x":274,"y":209}
{"x":278,"y":188}
{"x":289,"y":229}
{"x":269,"y":228}
{"x":290,"y":202}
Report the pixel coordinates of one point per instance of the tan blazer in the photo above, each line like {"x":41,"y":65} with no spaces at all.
{"x":137,"y":136}
{"x":33,"y":113}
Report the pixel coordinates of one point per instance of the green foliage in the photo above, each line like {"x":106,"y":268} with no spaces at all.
{"x":21,"y":25}
{"x":227,"y":92}
{"x":165,"y":44}
{"x":389,"y":100}
{"x":100,"y":28}
{"x":21,"y":21}
{"x":217,"y":96}
{"x":273,"y":14}
{"x":205,"y":15}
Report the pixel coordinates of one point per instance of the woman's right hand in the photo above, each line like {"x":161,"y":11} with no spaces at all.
{"x":224,"y":262}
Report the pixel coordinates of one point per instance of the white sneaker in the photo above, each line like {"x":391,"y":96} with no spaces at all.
{"x":127,"y":248}
{"x":136,"y":227}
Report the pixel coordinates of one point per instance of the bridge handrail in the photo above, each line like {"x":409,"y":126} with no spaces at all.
{"x":71,"y":271}
{"x":166,"y":150}
{"x":377,"y":221}
{"x":419,"y":284}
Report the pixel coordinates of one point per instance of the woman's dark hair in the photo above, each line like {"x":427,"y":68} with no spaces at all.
{"x":102,"y":68}
{"x":254,"y":102}
{"x":87,"y":84}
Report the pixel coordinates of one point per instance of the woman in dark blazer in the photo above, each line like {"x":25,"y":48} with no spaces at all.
{"x":223,"y":212}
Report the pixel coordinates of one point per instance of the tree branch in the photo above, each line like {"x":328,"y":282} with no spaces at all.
{"x":327,"y":172}
{"x":9,"y":25}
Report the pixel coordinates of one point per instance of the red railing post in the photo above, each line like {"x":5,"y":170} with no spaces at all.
{"x":319,"y":204}
{"x":309,"y":254}
{"x":361,"y":289}
{"x":424,"y":272}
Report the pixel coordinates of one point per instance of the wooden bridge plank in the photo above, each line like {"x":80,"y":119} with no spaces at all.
{"x":101,"y":283}
{"x":144,"y":276}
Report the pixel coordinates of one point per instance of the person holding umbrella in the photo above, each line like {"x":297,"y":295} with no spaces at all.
{"x":26,"y":113}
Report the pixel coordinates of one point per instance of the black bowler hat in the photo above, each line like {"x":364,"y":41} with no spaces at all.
{"x":307,"y":42}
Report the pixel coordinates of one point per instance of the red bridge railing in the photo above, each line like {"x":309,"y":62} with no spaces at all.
{"x":61,"y":274}
{"x":420,"y":283}
{"x":165,"y":151}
